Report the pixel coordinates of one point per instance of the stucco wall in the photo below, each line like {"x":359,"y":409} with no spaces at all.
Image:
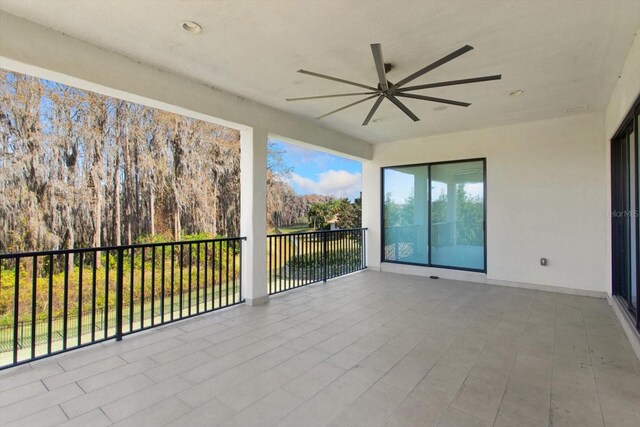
{"x":626,"y":91}
{"x":546,"y":197}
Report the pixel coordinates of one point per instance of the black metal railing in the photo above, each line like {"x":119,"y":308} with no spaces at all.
{"x":54,"y":301}
{"x":299,"y":259}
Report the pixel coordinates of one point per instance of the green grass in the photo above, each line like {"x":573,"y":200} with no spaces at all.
{"x":162,"y":310}
{"x":82,"y":278}
{"x":296,"y":228}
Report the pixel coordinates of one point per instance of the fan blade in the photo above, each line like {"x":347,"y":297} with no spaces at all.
{"x":403,"y":107}
{"x":335,"y":79}
{"x":330,"y":96}
{"x":376,"y":49}
{"x":432,"y":99}
{"x":373,"y":110}
{"x":347,"y":106}
{"x":452,"y":83}
{"x":433,"y":66}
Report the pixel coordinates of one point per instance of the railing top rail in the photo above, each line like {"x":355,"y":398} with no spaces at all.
{"x":113,"y":248}
{"x":317,"y":232}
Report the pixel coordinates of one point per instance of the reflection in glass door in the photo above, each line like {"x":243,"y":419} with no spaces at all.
{"x":457,"y":215}
{"x":405,"y":214}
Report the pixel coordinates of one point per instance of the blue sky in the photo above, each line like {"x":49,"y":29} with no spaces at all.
{"x":400,"y":184}
{"x":316,"y":172}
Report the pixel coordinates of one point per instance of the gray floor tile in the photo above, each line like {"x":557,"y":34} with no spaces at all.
{"x":178,"y":366}
{"x":142,"y":399}
{"x":456,"y":418}
{"x":104,"y":396}
{"x":480,"y":397}
{"x":267,"y":411}
{"x":115,"y":375}
{"x":415,"y":412}
{"x":95,"y":418}
{"x":22,"y":392}
{"x":526,"y":401}
{"x":52,"y":416}
{"x":74,"y":375}
{"x":314,"y":380}
{"x":210,"y":414}
{"x":373,"y":407}
{"x":21,"y":375}
{"x":159,"y":414}
{"x":32,"y":405}
{"x":367,"y":349}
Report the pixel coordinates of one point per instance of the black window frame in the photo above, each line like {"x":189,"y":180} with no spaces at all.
{"x":429,"y":263}
{"x":619,"y":191}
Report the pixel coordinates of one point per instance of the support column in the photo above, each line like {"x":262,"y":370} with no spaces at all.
{"x":371,"y":203}
{"x":253,"y":214}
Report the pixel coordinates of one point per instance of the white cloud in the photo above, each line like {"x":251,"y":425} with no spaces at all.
{"x":338,"y":183}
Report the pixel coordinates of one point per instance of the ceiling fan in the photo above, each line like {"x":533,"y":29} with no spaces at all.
{"x":391,"y":91}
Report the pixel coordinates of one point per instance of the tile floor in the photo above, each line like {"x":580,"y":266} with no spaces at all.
{"x":370,"y":349}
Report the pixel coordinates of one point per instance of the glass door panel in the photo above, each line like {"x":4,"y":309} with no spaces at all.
{"x":405,"y":214}
{"x":457,"y":215}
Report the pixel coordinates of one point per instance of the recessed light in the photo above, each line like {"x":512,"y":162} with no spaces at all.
{"x":191,"y":27}
{"x":516,"y":92}
{"x":440,"y":108}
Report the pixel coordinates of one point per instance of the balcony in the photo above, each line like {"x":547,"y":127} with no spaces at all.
{"x":365,"y":349}
{"x":535,"y":317}
{"x":57,"y":301}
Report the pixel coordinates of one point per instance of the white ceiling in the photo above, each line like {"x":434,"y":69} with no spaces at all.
{"x":563,"y":53}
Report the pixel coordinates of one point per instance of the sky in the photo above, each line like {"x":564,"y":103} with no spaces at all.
{"x":317,"y":172}
{"x":400,"y":184}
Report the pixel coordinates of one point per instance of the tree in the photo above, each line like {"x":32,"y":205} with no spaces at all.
{"x":80,"y":169}
{"x":348,"y":214}
{"x":27,"y":188}
{"x":319,"y":215}
{"x":469,"y":218}
{"x":278,"y":189}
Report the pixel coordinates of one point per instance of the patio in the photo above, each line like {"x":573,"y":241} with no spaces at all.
{"x":366,"y":349}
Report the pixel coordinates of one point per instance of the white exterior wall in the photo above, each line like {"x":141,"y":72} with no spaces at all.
{"x":626,"y":91}
{"x":546,"y":197}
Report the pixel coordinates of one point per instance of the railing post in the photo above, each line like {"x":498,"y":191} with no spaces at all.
{"x":364,"y":248}
{"x":324,"y":255}
{"x":119,"y":293}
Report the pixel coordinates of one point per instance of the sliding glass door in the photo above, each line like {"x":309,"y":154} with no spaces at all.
{"x":434,"y":214}
{"x":624,"y":213}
